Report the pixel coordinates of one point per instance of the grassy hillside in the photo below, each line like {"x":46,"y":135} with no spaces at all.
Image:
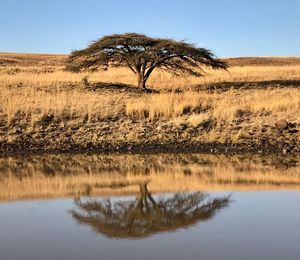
{"x":43,"y":108}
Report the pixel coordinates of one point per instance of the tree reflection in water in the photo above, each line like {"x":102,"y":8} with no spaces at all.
{"x":146,"y":216}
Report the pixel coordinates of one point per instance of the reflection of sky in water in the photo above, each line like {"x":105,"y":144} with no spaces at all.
{"x":256,"y":225}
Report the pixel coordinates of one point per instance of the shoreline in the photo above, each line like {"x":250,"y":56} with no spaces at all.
{"x":126,"y":135}
{"x":122,"y":135}
{"x":150,"y":148}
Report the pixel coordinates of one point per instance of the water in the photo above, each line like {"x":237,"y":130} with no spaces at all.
{"x":149,"y":207}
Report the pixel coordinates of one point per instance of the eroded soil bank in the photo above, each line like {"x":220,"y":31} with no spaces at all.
{"x":144,"y":136}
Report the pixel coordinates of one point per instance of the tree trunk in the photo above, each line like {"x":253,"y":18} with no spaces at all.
{"x":141,"y":81}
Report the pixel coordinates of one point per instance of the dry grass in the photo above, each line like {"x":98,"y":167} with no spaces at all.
{"x":188,"y":107}
{"x":31,"y":95}
{"x":65,"y":176}
{"x":47,"y":69}
{"x":36,"y":76}
{"x":220,"y":106}
{"x":62,"y":105}
{"x":168,"y":105}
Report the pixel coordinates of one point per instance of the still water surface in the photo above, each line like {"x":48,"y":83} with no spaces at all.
{"x":149,"y":207}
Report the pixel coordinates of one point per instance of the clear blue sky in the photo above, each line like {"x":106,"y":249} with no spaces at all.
{"x":228,"y":27}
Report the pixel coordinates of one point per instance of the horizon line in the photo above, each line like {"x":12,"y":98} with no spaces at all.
{"x":222,"y":57}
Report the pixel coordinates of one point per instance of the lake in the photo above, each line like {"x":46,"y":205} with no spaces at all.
{"x":168,"y":206}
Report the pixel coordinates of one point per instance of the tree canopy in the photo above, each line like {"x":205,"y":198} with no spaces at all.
{"x":142,"y":54}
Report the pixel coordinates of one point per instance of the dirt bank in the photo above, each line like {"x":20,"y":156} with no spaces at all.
{"x":129,"y":135}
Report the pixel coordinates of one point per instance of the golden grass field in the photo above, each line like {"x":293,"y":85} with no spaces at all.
{"x":45,"y":75}
{"x":35,"y":87}
{"x":54,"y":176}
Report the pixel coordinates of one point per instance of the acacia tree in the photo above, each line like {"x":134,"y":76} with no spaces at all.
{"x":142,"y":54}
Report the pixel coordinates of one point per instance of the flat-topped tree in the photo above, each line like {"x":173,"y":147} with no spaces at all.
{"x":142,"y":54}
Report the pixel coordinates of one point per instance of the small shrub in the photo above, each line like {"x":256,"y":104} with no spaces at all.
{"x":85,"y":81}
